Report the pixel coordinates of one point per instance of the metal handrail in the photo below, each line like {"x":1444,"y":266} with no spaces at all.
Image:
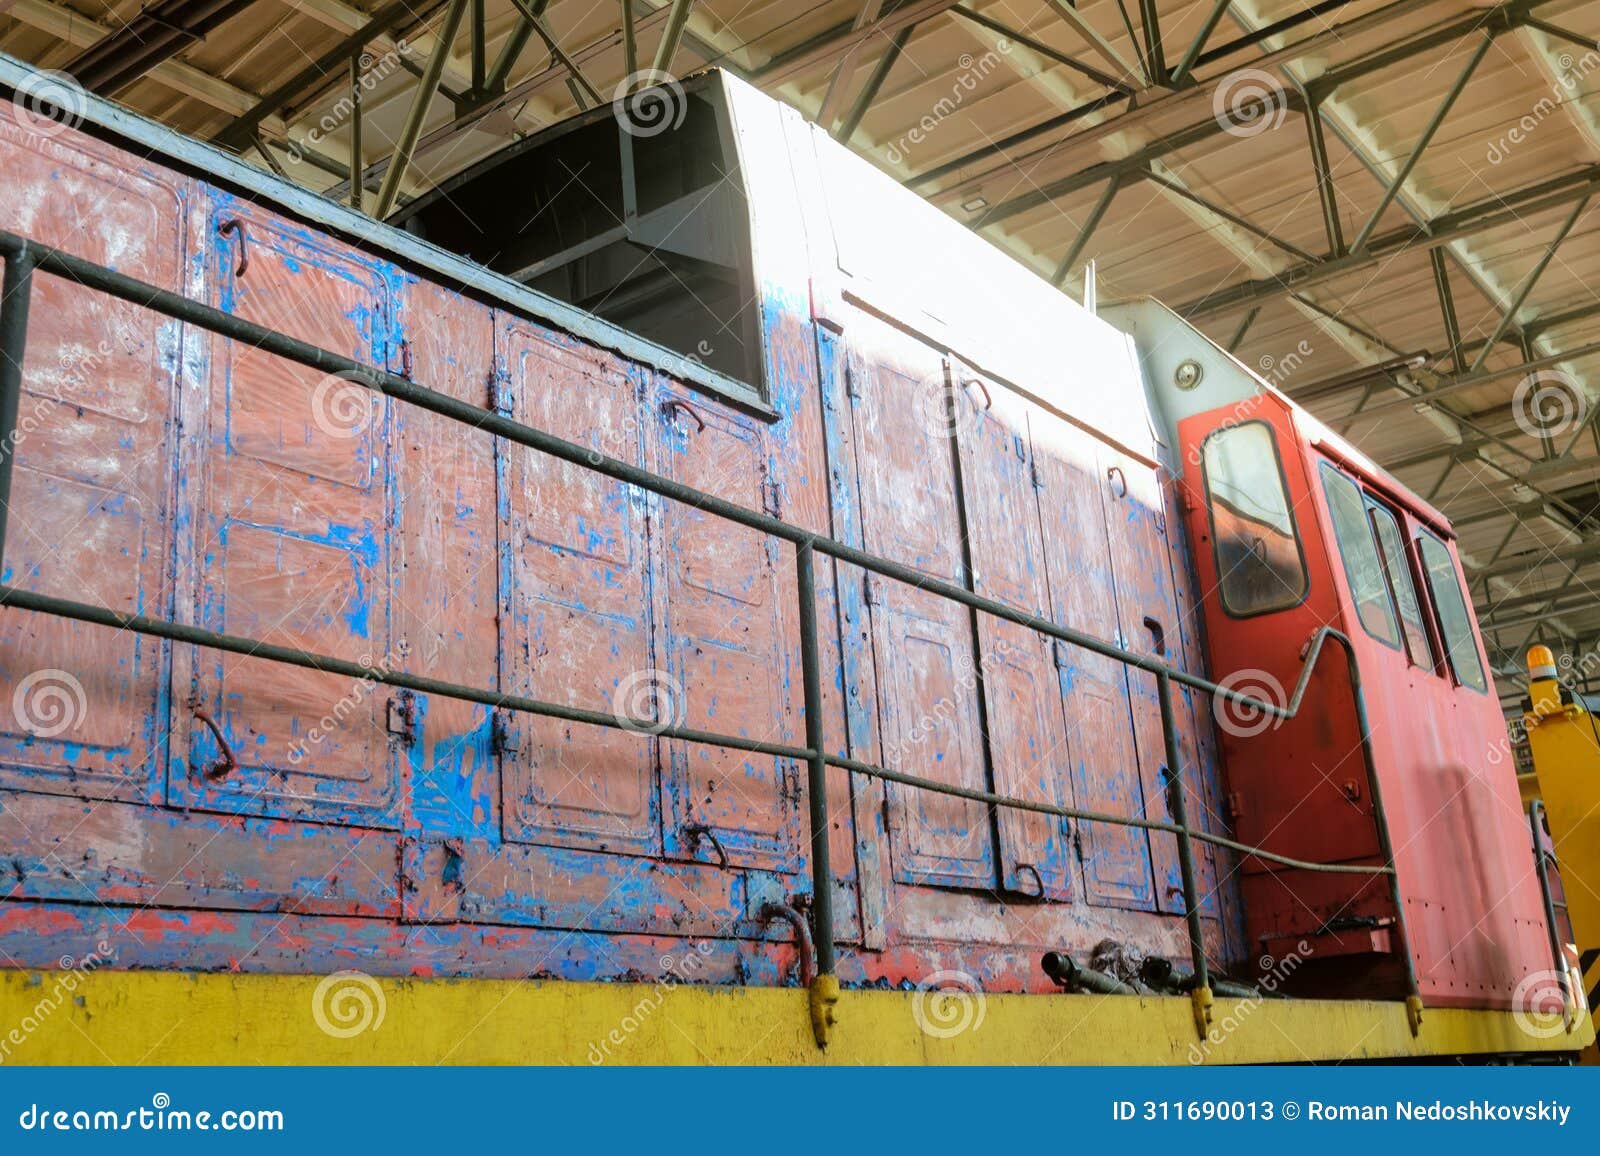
{"x":22,"y":256}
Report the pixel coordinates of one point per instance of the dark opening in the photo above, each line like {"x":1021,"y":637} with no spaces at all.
{"x":634,"y":212}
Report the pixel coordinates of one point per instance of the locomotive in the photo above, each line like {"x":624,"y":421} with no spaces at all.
{"x":672,"y":561}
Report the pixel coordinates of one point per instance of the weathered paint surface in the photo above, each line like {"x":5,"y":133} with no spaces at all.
{"x":412,"y":836}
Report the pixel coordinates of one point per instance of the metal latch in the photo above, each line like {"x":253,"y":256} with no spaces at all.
{"x":400,"y":716}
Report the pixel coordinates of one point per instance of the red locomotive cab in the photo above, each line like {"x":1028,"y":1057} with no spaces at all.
{"x":1295,"y":531}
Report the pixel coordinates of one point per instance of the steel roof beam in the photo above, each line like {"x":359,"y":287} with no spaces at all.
{"x":1198,"y":44}
{"x":1422,"y":142}
{"x":869,"y":91}
{"x":1479,"y":217}
{"x":421,"y":98}
{"x":1043,"y":49}
{"x":814,"y":53}
{"x":1197,"y":95}
{"x":391,"y":17}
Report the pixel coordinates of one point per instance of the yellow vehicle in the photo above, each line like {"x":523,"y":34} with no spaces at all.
{"x":1564,"y":739}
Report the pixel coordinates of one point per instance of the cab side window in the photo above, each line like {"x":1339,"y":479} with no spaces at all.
{"x":1358,"y":548}
{"x":1391,"y":544}
{"x":1455,"y":621}
{"x":1257,"y":549}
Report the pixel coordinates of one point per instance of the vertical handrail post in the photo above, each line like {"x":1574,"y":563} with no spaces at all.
{"x":1179,"y":806}
{"x":1568,"y":1002}
{"x":17,"y":292}
{"x":825,"y":985}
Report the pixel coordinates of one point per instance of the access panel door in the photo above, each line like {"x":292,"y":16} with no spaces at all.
{"x":292,"y":524}
{"x":576,"y":620}
{"x":81,"y":707}
{"x":1028,"y":748}
{"x":726,"y":633}
{"x":1136,"y":522}
{"x":902,"y":414}
{"x":1094,"y":689}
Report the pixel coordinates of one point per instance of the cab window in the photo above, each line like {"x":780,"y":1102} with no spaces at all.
{"x":1391,"y":544}
{"x":1257,"y":549}
{"x":1358,"y":548}
{"x":1455,"y":621}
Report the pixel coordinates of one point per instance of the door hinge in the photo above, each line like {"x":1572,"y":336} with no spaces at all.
{"x":1061,"y":650}
{"x":852,"y":388}
{"x":500,"y":399}
{"x":770,"y":500}
{"x":1034,"y":474}
{"x":502,"y":733}
{"x":869,"y":588}
{"x":400,"y":716}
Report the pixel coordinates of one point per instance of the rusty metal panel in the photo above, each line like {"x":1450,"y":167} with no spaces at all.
{"x":292,"y":515}
{"x":66,"y":849}
{"x":575,"y":559}
{"x":1028,"y":748}
{"x":1136,"y":522}
{"x":931,"y":728}
{"x":447,"y":561}
{"x":91,"y":497}
{"x":927,"y":685}
{"x":1094,"y":689}
{"x":729,"y":666}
